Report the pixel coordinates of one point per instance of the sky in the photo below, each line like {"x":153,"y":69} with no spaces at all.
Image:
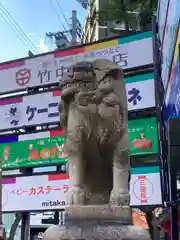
{"x":35,"y":18}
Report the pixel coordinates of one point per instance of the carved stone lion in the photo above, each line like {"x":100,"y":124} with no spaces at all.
{"x":94,"y":115}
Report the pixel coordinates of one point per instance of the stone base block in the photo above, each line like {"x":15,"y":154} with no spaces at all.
{"x":98,"y":213}
{"x":96,"y":223}
{"x":98,"y":232}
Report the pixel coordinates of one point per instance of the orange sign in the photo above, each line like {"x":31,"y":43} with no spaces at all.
{"x":139,"y":219}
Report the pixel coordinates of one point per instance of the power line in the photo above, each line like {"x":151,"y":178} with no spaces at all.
{"x":9,"y":16}
{"x":60,"y":8}
{"x":19,"y":36}
{"x":16,"y":25}
{"x":57,"y":14}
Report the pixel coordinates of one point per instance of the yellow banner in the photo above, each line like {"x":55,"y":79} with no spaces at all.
{"x":102,"y":45}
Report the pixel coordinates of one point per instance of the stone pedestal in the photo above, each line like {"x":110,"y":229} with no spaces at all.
{"x":98,"y":223}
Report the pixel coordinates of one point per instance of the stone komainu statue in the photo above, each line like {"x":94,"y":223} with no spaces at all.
{"x":94,"y":115}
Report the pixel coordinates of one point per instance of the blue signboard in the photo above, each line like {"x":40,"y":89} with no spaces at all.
{"x":169,"y":40}
{"x":161,"y":17}
{"x":172,"y":108}
{"x":172,"y":103}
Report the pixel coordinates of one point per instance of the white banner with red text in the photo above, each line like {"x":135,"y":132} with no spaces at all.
{"x":33,"y":193}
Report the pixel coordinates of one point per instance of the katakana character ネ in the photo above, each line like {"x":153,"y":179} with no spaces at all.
{"x":30,"y":111}
{"x":48,"y":189}
{"x":32,"y":191}
{"x":54,"y":114}
{"x":134,"y":96}
{"x":41,"y":191}
{"x":43,"y":74}
{"x":65,"y":188}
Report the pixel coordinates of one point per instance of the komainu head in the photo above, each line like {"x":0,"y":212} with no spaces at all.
{"x":79,"y":77}
{"x":85,"y":76}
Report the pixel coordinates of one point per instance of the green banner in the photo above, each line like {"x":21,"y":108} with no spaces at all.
{"x":143,"y":136}
{"x":33,"y":153}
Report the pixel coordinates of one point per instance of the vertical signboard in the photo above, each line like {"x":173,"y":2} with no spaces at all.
{"x":169,"y":41}
{"x":138,"y":94}
{"x":172,"y":99}
{"x":143,"y":136}
{"x":145,"y":186}
{"x":161,"y":17}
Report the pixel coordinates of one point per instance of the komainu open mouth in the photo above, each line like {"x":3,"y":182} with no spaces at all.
{"x":79,"y":77}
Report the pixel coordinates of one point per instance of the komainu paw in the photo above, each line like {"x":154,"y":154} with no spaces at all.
{"x":76,"y":196}
{"x":119,"y":198}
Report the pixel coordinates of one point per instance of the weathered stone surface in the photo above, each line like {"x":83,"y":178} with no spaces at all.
{"x":97,"y":213}
{"x":99,"y":232}
{"x":97,"y":222}
{"x":94,"y":115}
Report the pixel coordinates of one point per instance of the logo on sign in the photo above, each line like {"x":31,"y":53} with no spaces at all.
{"x":143,"y":189}
{"x":23,"y":76}
{"x":13,"y":115}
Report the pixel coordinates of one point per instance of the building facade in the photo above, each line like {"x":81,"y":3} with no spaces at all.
{"x":97,"y":30}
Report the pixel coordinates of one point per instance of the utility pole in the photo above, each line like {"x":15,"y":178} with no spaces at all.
{"x":61,"y":39}
{"x":74,"y":28}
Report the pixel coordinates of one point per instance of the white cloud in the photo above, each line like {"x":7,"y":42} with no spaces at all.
{"x":31,"y":34}
{"x":42,"y":46}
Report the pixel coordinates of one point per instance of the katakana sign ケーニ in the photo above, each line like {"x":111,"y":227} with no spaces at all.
{"x":138,"y":94}
{"x":28,"y":110}
{"x":35,"y":193}
{"x":33,"y":150}
{"x":145,"y":186}
{"x":143,"y":135}
{"x":42,"y":108}
{"x":48,"y":68}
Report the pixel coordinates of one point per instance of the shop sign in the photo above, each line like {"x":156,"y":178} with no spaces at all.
{"x":145,"y":186}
